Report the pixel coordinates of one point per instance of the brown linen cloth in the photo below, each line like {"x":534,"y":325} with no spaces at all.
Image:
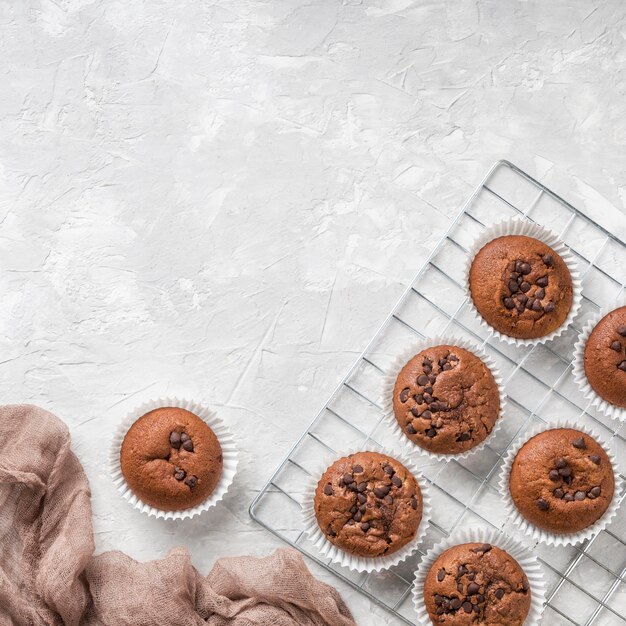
{"x":48,"y":575}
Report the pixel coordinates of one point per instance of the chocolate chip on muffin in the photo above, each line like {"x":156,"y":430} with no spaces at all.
{"x":446,"y":400}
{"x":605,"y":358}
{"x":171,"y":459}
{"x":368,"y":504}
{"x":521,"y":286}
{"x":562,"y":480}
{"x":476,"y":583}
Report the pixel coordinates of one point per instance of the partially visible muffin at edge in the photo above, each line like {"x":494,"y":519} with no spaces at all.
{"x":368,"y":504}
{"x":521,"y":286}
{"x":446,"y":400}
{"x":476,"y":583}
{"x":605,"y":358}
{"x":171,"y":459}
{"x":562,"y":480}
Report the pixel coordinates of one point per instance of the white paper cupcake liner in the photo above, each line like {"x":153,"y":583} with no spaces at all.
{"x":578,"y":370}
{"x":386,"y":399}
{"x":341,"y":557}
{"x":539,"y":534}
{"x":519,"y":226}
{"x":229,"y":457}
{"x":524,"y":557}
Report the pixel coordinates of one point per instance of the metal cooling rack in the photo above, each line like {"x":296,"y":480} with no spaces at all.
{"x":586,"y":583}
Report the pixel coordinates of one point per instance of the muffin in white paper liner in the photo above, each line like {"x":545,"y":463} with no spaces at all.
{"x":519,"y":226}
{"x":524,"y":557}
{"x":578,"y":370}
{"x":386,"y":399}
{"x":224,"y":436}
{"x":335,"y":553}
{"x":540,"y":534}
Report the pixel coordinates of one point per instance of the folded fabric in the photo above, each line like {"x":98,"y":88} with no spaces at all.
{"x":49,"y":576}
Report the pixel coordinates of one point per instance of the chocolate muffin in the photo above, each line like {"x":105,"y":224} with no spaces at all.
{"x":171,"y":459}
{"x":368,"y":504}
{"x":562,"y":480}
{"x":446,"y":400}
{"x":476,"y":583}
{"x":605,"y":358}
{"x":521,"y":286}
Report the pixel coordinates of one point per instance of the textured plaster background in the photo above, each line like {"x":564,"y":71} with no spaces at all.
{"x":222,"y":200}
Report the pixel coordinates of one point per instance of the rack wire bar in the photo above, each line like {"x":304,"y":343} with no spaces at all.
{"x":586,"y":583}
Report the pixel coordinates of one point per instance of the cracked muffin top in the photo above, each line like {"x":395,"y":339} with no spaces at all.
{"x":521,"y":286}
{"x":446,"y":400}
{"x":562,"y":480}
{"x":476,"y":583}
{"x":368,"y":504}
{"x":171,"y":459}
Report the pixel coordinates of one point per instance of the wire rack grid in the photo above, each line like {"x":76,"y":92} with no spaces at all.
{"x":586,"y":583}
